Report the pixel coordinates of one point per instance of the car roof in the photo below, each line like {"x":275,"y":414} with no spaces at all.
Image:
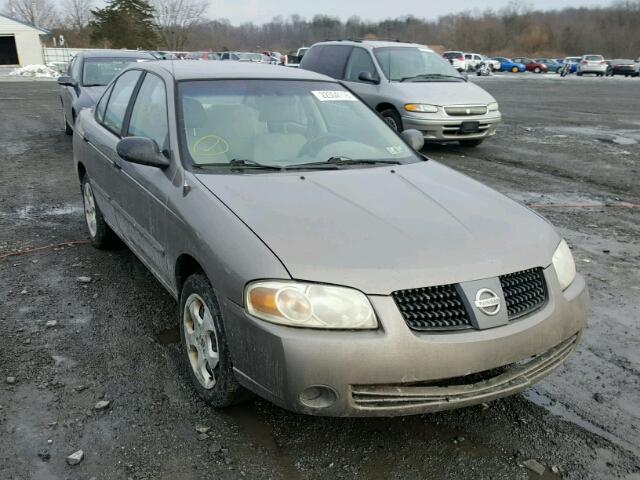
{"x":190,"y":70}
{"x":116,"y":53}
{"x":372,"y":43}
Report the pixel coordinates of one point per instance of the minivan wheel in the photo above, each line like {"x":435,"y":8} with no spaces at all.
{"x":471,"y":143}
{"x":392,"y":118}
{"x":100,"y":233}
{"x":205,"y":352}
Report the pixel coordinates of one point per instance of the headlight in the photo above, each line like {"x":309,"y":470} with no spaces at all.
{"x":309,"y":305}
{"x":493,"y":107}
{"x":564,"y":265}
{"x":420,"y":108}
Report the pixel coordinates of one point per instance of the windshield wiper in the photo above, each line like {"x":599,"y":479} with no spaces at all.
{"x":241,"y":163}
{"x":429,"y":75}
{"x":340,"y":160}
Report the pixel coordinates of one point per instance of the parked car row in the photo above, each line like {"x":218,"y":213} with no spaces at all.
{"x":586,"y":64}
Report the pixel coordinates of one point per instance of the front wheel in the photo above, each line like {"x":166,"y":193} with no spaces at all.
{"x":392,"y":118}
{"x":204,"y":345}
{"x":471,"y":143}
{"x":100,"y":233}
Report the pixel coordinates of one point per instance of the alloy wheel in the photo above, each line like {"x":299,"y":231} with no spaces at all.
{"x":90,"y":209}
{"x":201,"y":340}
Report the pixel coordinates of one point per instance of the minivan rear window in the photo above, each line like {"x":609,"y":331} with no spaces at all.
{"x":329,"y":60}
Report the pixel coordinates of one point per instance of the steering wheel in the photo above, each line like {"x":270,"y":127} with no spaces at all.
{"x":313,"y":146}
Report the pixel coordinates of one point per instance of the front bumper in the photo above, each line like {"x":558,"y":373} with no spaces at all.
{"x":392,"y":370}
{"x":443,"y":128}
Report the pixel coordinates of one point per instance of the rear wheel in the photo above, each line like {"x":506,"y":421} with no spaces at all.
{"x":515,"y":69}
{"x":100,"y":233}
{"x":67,"y":128}
{"x":537,"y":70}
{"x":471,"y":143}
{"x":204,"y":343}
{"x":392,"y":118}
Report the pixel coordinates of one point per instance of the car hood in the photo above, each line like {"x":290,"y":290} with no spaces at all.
{"x":442,"y":93}
{"x":381,"y":229}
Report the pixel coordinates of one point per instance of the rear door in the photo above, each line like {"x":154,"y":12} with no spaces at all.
{"x":103,"y":141}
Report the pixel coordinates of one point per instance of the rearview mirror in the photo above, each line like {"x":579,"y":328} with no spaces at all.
{"x":143,"y":151}
{"x":414,"y":138}
{"x":367,"y":77}
{"x":67,"y":81}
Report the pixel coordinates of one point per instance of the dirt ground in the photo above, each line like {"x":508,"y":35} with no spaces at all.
{"x":570,"y":148}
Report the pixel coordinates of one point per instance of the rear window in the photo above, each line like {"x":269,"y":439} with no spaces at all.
{"x":100,"y":71}
{"x":452,"y":54}
{"x":327,"y":59}
{"x":594,"y":58}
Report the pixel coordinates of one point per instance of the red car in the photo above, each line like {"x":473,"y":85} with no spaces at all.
{"x":531,"y":65}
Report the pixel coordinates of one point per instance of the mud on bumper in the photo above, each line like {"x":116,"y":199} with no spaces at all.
{"x":459,"y":392}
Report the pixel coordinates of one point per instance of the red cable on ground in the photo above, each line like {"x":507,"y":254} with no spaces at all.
{"x":46,"y":247}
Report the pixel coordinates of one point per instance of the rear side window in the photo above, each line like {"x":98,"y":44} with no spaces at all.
{"x":119,"y":100}
{"x":149,"y":114}
{"x":327,"y":59}
{"x":359,"y":61}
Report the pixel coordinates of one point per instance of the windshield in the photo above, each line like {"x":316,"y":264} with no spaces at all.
{"x":282,"y":123}
{"x":100,"y":71}
{"x":415,"y":64}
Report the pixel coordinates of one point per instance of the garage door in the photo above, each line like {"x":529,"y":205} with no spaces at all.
{"x":8,"y":52}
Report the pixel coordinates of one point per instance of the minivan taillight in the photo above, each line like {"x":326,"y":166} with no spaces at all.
{"x":584,"y":62}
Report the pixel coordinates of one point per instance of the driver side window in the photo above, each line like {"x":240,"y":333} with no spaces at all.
{"x":359,"y":61}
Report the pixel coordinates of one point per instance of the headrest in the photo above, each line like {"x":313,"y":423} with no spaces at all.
{"x":194,"y":113}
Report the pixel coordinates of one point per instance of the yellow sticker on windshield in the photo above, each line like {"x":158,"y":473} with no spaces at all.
{"x":334,"y":96}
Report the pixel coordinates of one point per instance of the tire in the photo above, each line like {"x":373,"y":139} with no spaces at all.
{"x":471,"y":143}
{"x":537,"y":70}
{"x":515,"y":69}
{"x":67,"y":128}
{"x":100,"y":233}
{"x":579,"y":74}
{"x":204,"y":345}
{"x":392,"y":118}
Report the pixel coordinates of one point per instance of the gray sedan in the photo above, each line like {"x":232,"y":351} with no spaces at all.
{"x":318,"y":259}
{"x":87,"y":77}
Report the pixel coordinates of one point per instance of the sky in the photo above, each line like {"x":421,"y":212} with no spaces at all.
{"x":260,"y":11}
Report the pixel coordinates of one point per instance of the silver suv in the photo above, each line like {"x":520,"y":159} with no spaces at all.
{"x":411,"y":86}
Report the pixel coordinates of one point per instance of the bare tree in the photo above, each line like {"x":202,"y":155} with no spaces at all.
{"x":77,"y":13}
{"x":175,"y":18}
{"x":39,"y":13}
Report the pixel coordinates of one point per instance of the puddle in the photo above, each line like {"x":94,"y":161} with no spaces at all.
{"x":618,"y":137}
{"x":168,"y":336}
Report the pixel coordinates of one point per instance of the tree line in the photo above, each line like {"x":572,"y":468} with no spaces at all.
{"x":183,"y":25}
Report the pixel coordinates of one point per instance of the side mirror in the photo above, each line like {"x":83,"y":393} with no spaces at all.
{"x":67,"y":81}
{"x":143,"y":151}
{"x":367,"y":77}
{"x":414,"y":138}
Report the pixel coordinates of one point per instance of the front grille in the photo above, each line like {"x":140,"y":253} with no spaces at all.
{"x":464,"y":111}
{"x":432,"y":308}
{"x":524,"y":292}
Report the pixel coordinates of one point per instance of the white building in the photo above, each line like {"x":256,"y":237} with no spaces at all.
{"x":20,"y":43}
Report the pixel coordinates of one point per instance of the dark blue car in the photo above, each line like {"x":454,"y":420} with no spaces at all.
{"x":508,"y":65}
{"x":574,"y":62}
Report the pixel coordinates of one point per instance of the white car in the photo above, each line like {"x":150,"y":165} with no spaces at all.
{"x":456,"y":59}
{"x":592,"y":64}
{"x":472,"y":60}
{"x":494,"y":65}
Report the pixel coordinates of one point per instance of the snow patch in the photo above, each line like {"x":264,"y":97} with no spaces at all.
{"x":39,"y":71}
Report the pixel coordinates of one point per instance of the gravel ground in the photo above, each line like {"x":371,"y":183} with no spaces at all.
{"x":568,"y":148}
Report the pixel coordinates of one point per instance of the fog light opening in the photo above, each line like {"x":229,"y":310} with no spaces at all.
{"x":318,"y":396}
